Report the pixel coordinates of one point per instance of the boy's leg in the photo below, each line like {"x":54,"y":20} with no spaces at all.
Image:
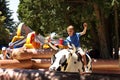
{"x":83,"y":57}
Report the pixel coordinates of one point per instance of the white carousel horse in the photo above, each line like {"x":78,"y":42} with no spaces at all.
{"x":69,"y":61}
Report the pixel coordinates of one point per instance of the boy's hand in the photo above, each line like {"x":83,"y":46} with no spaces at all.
{"x":84,"y":30}
{"x":85,"y":25}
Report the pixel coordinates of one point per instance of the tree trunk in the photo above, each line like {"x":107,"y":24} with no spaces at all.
{"x":101,"y":33}
{"x":109,"y":33}
{"x":116,"y":31}
{"x":95,"y":39}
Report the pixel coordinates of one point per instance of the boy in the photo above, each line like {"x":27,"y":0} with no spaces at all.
{"x":74,"y":38}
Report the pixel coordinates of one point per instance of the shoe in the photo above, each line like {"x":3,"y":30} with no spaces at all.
{"x":87,"y":71}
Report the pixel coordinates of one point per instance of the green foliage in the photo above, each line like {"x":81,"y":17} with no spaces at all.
{"x":2,"y":18}
{"x":52,"y":15}
{"x":4,"y":33}
{"x":4,"y":37}
{"x":5,"y":22}
{"x":8,"y":23}
{"x":56,"y":15}
{"x":46,"y":15}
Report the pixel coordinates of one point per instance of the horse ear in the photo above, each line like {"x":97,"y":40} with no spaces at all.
{"x":74,"y":48}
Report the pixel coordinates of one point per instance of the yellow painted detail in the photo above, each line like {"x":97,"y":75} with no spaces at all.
{"x":19,"y":29}
{"x":18,"y":36}
{"x":46,"y":46}
{"x":30,"y":41}
{"x":30,"y":38}
{"x":28,"y":46}
{"x":62,"y":46}
{"x":15,"y":38}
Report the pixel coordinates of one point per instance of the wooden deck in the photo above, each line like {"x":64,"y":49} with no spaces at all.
{"x":98,"y":66}
{"x":101,"y":70}
{"x":106,"y":66}
{"x":25,"y":64}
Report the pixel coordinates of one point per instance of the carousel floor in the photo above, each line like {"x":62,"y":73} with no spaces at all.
{"x":101,"y":70}
{"x":106,"y":66}
{"x":98,"y":66}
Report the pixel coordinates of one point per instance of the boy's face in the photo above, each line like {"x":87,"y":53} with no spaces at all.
{"x":70,"y":31}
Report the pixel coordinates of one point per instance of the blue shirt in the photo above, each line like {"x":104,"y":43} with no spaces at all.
{"x":74,"y":39}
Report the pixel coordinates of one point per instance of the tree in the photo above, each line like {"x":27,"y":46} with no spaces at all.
{"x":101,"y":31}
{"x":4,"y":33}
{"x":56,"y":15}
{"x":45,"y":15}
{"x":115,"y":5}
{"x":94,"y":14}
{"x":6,"y":23}
{"x":100,"y":19}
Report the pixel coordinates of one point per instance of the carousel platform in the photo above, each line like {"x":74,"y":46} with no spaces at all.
{"x":106,"y":66}
{"x":37,"y":69}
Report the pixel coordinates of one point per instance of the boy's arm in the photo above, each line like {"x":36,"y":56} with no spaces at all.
{"x":84,"y":30}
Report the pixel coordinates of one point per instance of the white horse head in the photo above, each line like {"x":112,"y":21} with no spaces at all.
{"x":53,"y":35}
